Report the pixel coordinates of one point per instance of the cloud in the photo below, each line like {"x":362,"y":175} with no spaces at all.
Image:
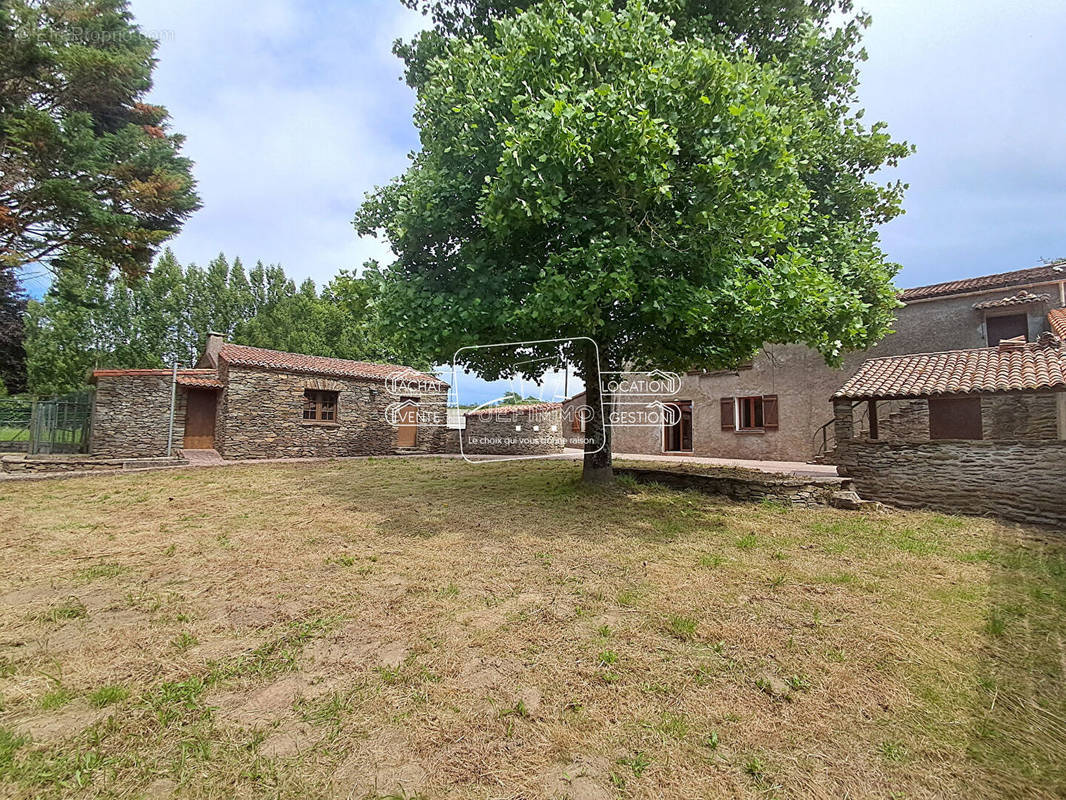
{"x":292,"y":111}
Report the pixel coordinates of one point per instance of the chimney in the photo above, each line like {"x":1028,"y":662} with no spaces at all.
{"x":215,"y":340}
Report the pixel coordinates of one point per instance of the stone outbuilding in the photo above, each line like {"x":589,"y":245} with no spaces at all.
{"x":967,"y":431}
{"x":249,"y":402}
{"x":515,"y":430}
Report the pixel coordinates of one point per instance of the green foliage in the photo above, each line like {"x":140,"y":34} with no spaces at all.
{"x":86,"y":164}
{"x":598,"y":172}
{"x":88,"y":320}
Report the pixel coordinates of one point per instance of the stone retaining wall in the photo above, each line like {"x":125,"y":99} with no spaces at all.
{"x":1016,"y":480}
{"x":752,"y":488}
{"x":79,"y":463}
{"x":514,"y":432}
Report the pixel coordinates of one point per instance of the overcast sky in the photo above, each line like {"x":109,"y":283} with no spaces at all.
{"x":294,"y":109}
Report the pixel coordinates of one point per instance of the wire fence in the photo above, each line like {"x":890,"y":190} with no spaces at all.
{"x":59,"y":424}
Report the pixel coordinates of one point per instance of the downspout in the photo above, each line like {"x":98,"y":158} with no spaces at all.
{"x":173,"y":403}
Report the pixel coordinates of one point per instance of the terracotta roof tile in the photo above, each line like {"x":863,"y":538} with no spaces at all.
{"x":1007,"y":368}
{"x":1022,"y":298}
{"x":149,"y":373}
{"x":504,"y":411}
{"x":1049,"y":273}
{"x":244,"y":356}
{"x":1056,"y":318}
{"x":207,"y":382}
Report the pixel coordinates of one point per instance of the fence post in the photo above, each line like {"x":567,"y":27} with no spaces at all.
{"x":173,"y":403}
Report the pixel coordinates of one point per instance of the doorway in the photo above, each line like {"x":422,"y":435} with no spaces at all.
{"x":199,"y":419}
{"x":677,"y":435}
{"x":407,"y":423}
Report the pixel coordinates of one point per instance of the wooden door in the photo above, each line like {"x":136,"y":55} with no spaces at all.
{"x":407,"y":431}
{"x":200,"y":420}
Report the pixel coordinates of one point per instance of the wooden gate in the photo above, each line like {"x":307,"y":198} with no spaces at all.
{"x":200,"y":419}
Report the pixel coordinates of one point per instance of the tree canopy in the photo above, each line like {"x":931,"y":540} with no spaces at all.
{"x":85,"y":163}
{"x":590,"y":171}
{"x":89,"y":319}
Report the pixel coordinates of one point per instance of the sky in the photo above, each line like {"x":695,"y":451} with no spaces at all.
{"x":292,"y":110}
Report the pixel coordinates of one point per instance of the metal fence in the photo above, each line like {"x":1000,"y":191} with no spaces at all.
{"x":46,"y":425}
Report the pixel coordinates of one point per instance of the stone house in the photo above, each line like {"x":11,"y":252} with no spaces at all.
{"x":775,"y":407}
{"x":981,"y":430}
{"x":248,"y":402}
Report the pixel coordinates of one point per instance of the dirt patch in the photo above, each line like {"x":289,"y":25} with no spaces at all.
{"x":288,"y":741}
{"x":354,"y":647}
{"x":260,"y":706}
{"x":49,"y":727}
{"x":584,"y":778}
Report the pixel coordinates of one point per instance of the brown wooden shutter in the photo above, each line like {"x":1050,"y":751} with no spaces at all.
{"x":769,"y":411}
{"x":728,"y":420}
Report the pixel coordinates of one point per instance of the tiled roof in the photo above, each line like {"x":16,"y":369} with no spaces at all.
{"x":207,"y":382}
{"x":1007,"y":368}
{"x":1056,"y":318}
{"x":1022,"y":298}
{"x":1049,"y":273}
{"x":244,"y":356}
{"x":518,"y":409}
{"x":150,"y":373}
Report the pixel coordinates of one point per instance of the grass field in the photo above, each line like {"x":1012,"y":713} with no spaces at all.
{"x":431,"y":628}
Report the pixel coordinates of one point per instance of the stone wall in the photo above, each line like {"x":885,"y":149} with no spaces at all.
{"x":260,"y":415}
{"x":22,"y":464}
{"x":750,"y":488}
{"x":1019,"y":416}
{"x":1019,"y":480}
{"x":131,"y":416}
{"x":495,"y":432}
{"x":1010,"y":416}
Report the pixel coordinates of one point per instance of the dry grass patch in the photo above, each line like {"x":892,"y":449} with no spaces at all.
{"x":439,"y":629}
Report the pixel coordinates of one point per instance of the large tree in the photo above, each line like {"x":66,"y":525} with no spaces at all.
{"x":588,"y":171}
{"x":12,"y":333}
{"x":85,"y":163}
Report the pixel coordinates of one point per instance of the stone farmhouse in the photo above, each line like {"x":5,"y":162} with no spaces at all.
{"x":247,"y":402}
{"x":777,"y":407}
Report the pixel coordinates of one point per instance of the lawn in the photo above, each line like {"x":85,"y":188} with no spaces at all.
{"x":431,"y":628}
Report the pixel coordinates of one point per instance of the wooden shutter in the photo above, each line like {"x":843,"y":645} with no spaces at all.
{"x":769,"y":411}
{"x":728,"y":410}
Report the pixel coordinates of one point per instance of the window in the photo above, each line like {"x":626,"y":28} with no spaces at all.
{"x":755,"y":413}
{"x":677,"y":431}
{"x":955,"y":418}
{"x":320,"y":406}
{"x":1007,"y":327}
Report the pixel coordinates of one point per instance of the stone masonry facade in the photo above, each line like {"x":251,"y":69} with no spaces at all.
{"x":131,"y":416}
{"x":1015,"y":480}
{"x":514,"y":432}
{"x":260,"y":415}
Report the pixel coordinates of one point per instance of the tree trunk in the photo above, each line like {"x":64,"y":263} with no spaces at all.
{"x":597,"y":465}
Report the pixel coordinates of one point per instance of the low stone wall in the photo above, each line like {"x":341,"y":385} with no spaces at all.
{"x":806,"y":492}
{"x":15,"y":446}
{"x":514,"y":432}
{"x":79,"y":463}
{"x":1016,"y":480}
